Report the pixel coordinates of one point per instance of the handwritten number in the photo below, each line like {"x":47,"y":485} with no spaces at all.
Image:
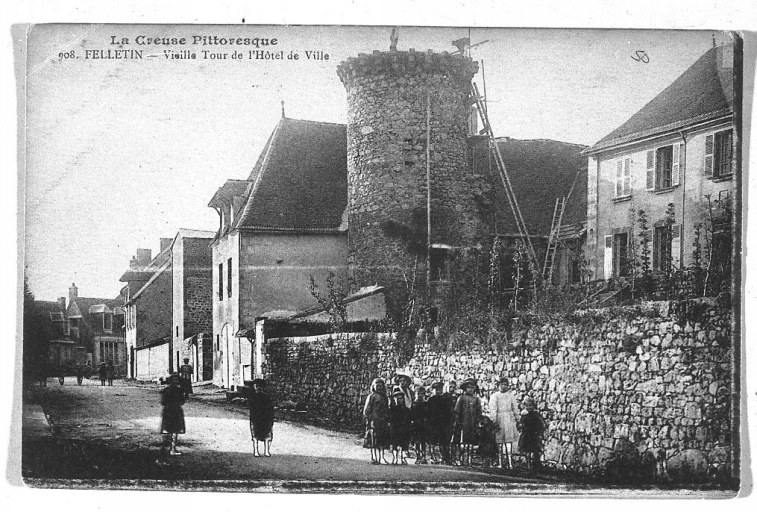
{"x":641,"y":55}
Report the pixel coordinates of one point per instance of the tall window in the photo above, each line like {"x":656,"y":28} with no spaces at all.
{"x":108,"y":322}
{"x":664,"y":167}
{"x":723,"y":153}
{"x":623,"y":178}
{"x":220,"y":281}
{"x":440,"y":264}
{"x":228,"y":277}
{"x":663,"y":241}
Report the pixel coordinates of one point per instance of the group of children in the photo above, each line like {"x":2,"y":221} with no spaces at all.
{"x":445,"y":427}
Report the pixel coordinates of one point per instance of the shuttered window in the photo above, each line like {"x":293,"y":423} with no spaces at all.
{"x":709,"y":147}
{"x":650,"y":171}
{"x":623,"y":178}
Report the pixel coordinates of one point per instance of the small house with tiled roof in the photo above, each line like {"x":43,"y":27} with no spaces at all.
{"x":541,"y":171}
{"x":168,"y":307}
{"x":673,"y":160}
{"x":284,"y":223}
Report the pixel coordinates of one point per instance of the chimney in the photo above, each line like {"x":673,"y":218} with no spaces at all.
{"x":62,"y":304}
{"x":133,"y":263}
{"x":144,"y":256}
{"x":165,"y":242}
{"x":73,"y":292}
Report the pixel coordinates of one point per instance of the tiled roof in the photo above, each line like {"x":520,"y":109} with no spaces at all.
{"x":702,"y":92}
{"x":540,"y":171}
{"x":196,"y":233}
{"x":300,"y":179}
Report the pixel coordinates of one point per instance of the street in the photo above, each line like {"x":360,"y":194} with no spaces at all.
{"x":124,"y":419}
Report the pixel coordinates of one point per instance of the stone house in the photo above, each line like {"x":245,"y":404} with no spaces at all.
{"x":673,"y":159}
{"x":97,"y":326}
{"x":168,"y":307}
{"x":61,"y":349}
{"x":281,"y":226}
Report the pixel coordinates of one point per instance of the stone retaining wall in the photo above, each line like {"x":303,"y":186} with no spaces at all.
{"x":647,"y":382}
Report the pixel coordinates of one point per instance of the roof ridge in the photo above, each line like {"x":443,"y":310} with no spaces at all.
{"x":312,"y":121}
{"x":506,"y":138}
{"x":258,"y":179}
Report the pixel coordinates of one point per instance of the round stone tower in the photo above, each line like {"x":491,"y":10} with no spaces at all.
{"x":388,"y":95}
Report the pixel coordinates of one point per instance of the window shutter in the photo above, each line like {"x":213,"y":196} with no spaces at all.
{"x":627,"y":176}
{"x":619,"y":179}
{"x":709,"y":147}
{"x":674,"y":173}
{"x":675,"y":246}
{"x":608,"y":257}
{"x":650,"y":170}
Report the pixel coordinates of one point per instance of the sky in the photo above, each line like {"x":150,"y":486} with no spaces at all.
{"x":120,"y":153}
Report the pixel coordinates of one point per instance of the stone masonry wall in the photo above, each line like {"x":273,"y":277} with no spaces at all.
{"x":386,"y":160}
{"x":653,"y":378}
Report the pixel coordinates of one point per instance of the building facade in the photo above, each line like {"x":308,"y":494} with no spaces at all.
{"x":674,"y":161}
{"x":167,"y":302}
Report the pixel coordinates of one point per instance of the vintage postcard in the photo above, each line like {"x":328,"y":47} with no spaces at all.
{"x":372,"y":259}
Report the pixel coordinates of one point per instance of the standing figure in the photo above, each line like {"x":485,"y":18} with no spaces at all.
{"x":376,"y":414}
{"x":532,"y":428}
{"x":399,"y":426}
{"x":88,"y":370}
{"x":79,"y":375}
{"x":439,"y":423}
{"x":172,"y":420}
{"x":185,"y":372}
{"x":103,"y":373}
{"x":110,"y":372}
{"x":261,"y":418}
{"x":503,"y":411}
{"x":419,"y":425}
{"x":451,"y":395}
{"x":467,"y":413}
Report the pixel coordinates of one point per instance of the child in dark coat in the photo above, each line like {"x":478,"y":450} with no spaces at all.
{"x":532,"y":428}
{"x":399,"y":426}
{"x":487,"y":441}
{"x":439,"y":423}
{"x":172,"y":419}
{"x":418,"y":420}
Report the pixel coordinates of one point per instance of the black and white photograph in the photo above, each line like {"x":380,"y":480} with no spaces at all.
{"x":392,"y":259}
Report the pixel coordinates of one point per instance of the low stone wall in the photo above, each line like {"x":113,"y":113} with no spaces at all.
{"x":644,"y":384}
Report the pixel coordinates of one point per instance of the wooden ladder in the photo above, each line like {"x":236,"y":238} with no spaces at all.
{"x":511,"y":199}
{"x":554,"y":239}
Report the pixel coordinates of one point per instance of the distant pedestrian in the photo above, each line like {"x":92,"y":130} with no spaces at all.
{"x":376,"y":414}
{"x":79,"y":374}
{"x":172,"y":420}
{"x":62,"y":370}
{"x":88,"y":370}
{"x":532,"y":428}
{"x":467,"y":414}
{"x":110,"y":372}
{"x":399,"y":426}
{"x":503,"y":410}
{"x":185,"y":372}
{"x":419,"y":425}
{"x":103,"y":373}
{"x":439,"y":418}
{"x":261,"y":418}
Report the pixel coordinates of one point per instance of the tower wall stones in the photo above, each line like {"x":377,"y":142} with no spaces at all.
{"x":386,"y":160}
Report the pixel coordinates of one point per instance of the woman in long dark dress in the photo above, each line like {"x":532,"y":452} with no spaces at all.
{"x":439,"y":422}
{"x":376,"y":414}
{"x":261,"y":418}
{"x":172,"y":420}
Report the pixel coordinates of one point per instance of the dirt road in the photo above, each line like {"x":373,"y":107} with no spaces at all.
{"x":122,"y":423}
